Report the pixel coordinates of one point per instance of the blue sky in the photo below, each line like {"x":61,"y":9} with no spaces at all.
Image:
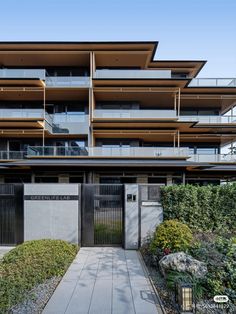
{"x":185,"y":29}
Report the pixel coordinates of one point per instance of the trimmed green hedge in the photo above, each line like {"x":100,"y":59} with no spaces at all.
{"x":30,"y":264}
{"x":202,"y":208}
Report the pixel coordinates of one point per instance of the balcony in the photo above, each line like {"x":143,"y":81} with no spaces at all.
{"x":21,"y":113}
{"x":67,"y":81}
{"x":209,"y":119}
{"x":146,"y":152}
{"x":217,"y":158}
{"x":22,"y":73}
{"x":213,"y":82}
{"x":12,"y":155}
{"x":132,"y":74}
{"x":127,"y":152}
{"x":134,"y":114}
{"x":70,"y":123}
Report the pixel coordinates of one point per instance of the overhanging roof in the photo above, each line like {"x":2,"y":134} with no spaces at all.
{"x":103,"y":163}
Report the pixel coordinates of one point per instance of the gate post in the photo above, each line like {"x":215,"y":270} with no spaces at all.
{"x":131,"y":217}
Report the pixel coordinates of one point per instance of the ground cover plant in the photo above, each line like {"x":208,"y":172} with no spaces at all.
{"x":30,"y":264}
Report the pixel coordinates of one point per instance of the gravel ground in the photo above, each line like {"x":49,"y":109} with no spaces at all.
{"x":37,"y":298}
{"x":168,"y":298}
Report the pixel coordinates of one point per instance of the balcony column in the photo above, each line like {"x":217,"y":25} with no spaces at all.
{"x":44,"y":113}
{"x":178,"y":113}
{"x":178,"y":138}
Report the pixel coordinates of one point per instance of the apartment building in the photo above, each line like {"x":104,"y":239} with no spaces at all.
{"x":108,"y":112}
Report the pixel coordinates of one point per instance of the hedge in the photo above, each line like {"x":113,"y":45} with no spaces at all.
{"x":30,"y":264}
{"x":202,"y":208}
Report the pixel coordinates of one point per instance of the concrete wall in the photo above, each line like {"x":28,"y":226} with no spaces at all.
{"x":131,"y":217}
{"x":141,"y":215}
{"x":50,"y":218}
{"x":151,"y":216}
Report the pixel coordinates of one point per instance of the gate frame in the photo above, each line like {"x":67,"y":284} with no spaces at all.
{"x":18,"y":199}
{"x":85,"y":225}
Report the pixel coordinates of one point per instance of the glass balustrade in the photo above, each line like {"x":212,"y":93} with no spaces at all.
{"x":21,"y":113}
{"x":108,"y":151}
{"x":213,"y":82}
{"x":67,"y":81}
{"x":134,"y":114}
{"x":132,"y":74}
{"x":209,"y":119}
{"x":22,"y":73}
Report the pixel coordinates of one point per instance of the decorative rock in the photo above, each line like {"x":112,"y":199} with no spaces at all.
{"x":182,"y":262}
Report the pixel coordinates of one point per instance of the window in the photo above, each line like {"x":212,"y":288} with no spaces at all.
{"x":46,"y":179}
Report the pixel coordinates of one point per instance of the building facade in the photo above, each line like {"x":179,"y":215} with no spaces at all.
{"x":107,"y":112}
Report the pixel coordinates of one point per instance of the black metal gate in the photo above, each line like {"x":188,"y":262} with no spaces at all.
{"x":11,"y":214}
{"x":102,"y":214}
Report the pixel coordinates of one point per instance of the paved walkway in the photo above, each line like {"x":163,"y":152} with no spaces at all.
{"x":104,"y":281}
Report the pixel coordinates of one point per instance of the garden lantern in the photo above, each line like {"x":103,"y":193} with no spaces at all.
{"x":184,"y":297}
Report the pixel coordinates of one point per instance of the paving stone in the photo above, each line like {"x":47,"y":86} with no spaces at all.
{"x":105,"y":281}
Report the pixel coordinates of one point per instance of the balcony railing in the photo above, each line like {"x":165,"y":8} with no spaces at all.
{"x":129,"y":152}
{"x":213,"y":82}
{"x":67,"y":81}
{"x":22,"y":73}
{"x":56,"y":151}
{"x":151,"y":152}
{"x":21,"y":113}
{"x":70,"y":123}
{"x":12,"y":155}
{"x":214,"y":158}
{"x":134,"y":114}
{"x":132,"y":74}
{"x":209,"y":119}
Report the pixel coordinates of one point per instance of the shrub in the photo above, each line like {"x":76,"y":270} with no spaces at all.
{"x":172,"y":235}
{"x":220,"y":256}
{"x":30,"y":264}
{"x":202,"y":208}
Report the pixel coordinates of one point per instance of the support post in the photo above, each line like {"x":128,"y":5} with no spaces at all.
{"x":44,"y":113}
{"x":183,"y":178}
{"x":179,"y":103}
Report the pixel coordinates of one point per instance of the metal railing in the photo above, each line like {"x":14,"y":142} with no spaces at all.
{"x":12,"y":155}
{"x":67,"y":81}
{"x":134,"y":114}
{"x":213,"y":82}
{"x":209,"y":119}
{"x":23,"y":73}
{"x":132,"y":74}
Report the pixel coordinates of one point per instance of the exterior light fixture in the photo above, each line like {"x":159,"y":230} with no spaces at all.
{"x":184,"y":297}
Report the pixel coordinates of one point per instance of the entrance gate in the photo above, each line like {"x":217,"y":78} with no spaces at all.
{"x":102,"y":214}
{"x":11,"y":214}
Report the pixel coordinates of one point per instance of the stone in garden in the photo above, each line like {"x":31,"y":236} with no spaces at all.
{"x":182,"y":262}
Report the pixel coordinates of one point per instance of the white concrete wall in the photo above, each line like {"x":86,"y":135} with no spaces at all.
{"x":53,"y":219}
{"x":131,"y":218}
{"x":151,"y":216}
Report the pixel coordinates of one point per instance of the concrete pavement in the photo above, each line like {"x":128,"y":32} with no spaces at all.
{"x":104,"y":280}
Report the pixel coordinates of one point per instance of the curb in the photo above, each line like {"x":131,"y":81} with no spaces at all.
{"x":159,"y":303}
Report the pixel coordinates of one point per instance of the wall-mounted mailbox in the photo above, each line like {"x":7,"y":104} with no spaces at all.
{"x":131,"y":197}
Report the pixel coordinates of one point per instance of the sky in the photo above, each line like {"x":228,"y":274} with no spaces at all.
{"x":185,"y":29}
